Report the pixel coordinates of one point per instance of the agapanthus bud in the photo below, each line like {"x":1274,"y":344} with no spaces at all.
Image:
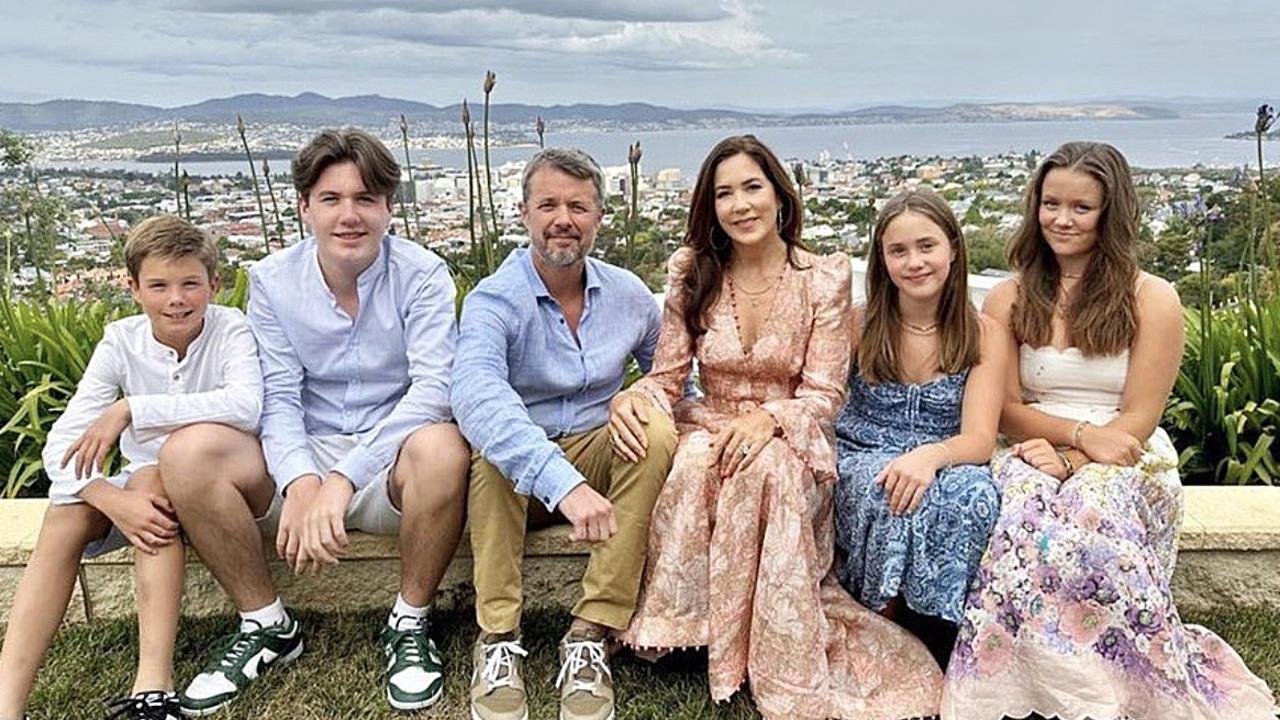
{"x":1266,"y":118}
{"x":489,"y":81}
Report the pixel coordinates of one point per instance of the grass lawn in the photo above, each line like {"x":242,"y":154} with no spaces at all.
{"x":339,"y":675}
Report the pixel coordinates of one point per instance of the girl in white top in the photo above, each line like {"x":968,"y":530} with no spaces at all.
{"x":182,"y":362}
{"x":1071,"y":614}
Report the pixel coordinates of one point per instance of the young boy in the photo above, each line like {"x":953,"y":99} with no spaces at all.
{"x":182,"y":362}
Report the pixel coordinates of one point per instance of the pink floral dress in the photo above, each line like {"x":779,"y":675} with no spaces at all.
{"x":743,"y":566}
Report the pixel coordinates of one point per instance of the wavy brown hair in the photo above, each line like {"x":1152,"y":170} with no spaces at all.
{"x":712,"y":248}
{"x":1102,"y":316}
{"x":959,"y":329}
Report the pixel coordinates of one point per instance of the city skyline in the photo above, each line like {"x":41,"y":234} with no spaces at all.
{"x":805,"y":55}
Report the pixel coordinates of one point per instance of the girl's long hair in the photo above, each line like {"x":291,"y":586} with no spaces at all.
{"x":711,"y":246}
{"x":1102,"y":317}
{"x":959,"y":329}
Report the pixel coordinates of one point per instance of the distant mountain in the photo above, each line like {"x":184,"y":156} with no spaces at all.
{"x":312,"y":109}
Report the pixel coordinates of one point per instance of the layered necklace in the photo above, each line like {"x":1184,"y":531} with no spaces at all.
{"x":757,"y":296}
{"x":915,"y":329}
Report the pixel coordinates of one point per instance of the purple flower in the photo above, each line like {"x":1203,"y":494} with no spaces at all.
{"x":1144,"y":621}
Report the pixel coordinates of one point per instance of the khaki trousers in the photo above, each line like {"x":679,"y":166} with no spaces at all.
{"x":499,"y":518}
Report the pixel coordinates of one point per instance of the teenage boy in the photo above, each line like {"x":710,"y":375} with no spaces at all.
{"x":153,"y":378}
{"x":355,"y":332}
{"x":543,"y":346}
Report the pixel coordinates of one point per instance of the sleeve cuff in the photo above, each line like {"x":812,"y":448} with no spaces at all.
{"x":359,"y":466}
{"x":294,"y":465}
{"x":556,"y":479}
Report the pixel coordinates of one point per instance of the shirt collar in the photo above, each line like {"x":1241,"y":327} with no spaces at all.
{"x":376,"y":269}
{"x":525,"y":259}
{"x":159,"y":349}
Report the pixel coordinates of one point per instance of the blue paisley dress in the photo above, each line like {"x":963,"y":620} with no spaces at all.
{"x":929,"y":556}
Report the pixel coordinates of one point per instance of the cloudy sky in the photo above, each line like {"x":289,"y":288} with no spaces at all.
{"x":767,"y":54}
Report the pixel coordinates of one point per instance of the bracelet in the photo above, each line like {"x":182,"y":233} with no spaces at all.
{"x":1071,"y":468}
{"x":947,"y":450}
{"x":1078,"y":432}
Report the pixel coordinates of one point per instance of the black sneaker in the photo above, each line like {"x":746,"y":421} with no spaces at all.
{"x":242,"y":657}
{"x":150,"y":705}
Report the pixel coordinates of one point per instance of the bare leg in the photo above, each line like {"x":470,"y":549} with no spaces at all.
{"x":429,"y":485}
{"x":158,"y":587}
{"x":42,"y":597}
{"x":217,"y":481}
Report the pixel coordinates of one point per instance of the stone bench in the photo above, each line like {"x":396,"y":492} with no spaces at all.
{"x":1229,"y":555}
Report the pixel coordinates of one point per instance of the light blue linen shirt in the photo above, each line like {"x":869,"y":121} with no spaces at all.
{"x":380,"y":376}
{"x":521,"y":381}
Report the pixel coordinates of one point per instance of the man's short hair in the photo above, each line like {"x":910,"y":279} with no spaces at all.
{"x":571,"y":161}
{"x":169,"y":237}
{"x":378,"y":167}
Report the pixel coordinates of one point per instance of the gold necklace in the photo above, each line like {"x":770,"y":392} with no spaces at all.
{"x":755,"y":297}
{"x":929,"y":329}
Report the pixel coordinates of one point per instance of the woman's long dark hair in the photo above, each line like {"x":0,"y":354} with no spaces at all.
{"x":711,"y":246}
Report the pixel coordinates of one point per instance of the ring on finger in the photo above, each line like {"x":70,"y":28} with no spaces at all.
{"x":744,"y":449}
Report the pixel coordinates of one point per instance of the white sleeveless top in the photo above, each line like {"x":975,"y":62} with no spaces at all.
{"x":1068,"y":384}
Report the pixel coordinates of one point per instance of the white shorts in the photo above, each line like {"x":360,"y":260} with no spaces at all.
{"x":371,"y":509}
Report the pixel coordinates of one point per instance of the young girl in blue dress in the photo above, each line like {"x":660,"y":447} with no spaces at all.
{"x":915,"y":503}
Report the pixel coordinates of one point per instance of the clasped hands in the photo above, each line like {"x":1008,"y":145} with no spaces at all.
{"x":1098,"y":443}
{"x":312,"y":533}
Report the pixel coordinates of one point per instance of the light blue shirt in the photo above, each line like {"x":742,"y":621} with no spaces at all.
{"x":521,"y":381}
{"x":380,"y":376}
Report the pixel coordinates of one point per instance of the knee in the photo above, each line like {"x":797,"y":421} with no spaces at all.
{"x":73,"y":526}
{"x":146,"y":479}
{"x":436,"y":459}
{"x":194,"y":456}
{"x":660,"y":434}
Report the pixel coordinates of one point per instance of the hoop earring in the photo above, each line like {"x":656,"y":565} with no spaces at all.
{"x":719,"y":247}
{"x":780,"y":224}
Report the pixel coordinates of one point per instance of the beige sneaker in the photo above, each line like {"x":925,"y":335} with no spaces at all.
{"x":585,"y":681}
{"x":497,"y":689}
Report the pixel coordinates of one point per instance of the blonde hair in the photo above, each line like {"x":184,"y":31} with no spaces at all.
{"x":959,"y":330}
{"x":170,"y":237}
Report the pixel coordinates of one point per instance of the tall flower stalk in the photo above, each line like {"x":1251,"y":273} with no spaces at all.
{"x":275,"y":208}
{"x":186,"y":198}
{"x":408,"y":168}
{"x":540,"y":127}
{"x":633,"y":218}
{"x":177,"y":176}
{"x":1265,"y":119}
{"x":257,"y":192}
{"x":489,"y":81}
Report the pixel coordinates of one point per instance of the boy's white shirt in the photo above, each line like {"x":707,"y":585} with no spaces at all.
{"x":219,"y":381}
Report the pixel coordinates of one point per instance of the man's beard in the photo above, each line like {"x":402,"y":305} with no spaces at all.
{"x":561,"y":258}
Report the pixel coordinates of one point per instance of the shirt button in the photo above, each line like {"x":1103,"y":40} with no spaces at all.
{"x":175,"y":376}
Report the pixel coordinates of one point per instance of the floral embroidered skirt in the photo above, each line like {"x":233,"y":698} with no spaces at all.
{"x":1071,"y":613}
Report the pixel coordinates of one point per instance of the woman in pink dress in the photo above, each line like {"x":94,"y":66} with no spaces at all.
{"x":741,"y":539}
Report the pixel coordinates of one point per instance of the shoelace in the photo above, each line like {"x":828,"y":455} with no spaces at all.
{"x":416,"y":646}
{"x":499,"y":663}
{"x":145,"y":706}
{"x":581,"y":655}
{"x":235,"y":646}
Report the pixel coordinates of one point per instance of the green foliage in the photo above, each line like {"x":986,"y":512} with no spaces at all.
{"x":1224,"y":411}
{"x":45,"y":348}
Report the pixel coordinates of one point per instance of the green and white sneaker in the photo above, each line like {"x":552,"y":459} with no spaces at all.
{"x":415,"y":672}
{"x":243,"y":656}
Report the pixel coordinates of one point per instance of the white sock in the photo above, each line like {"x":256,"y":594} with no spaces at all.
{"x":273,"y":614}
{"x":411,"y":614}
